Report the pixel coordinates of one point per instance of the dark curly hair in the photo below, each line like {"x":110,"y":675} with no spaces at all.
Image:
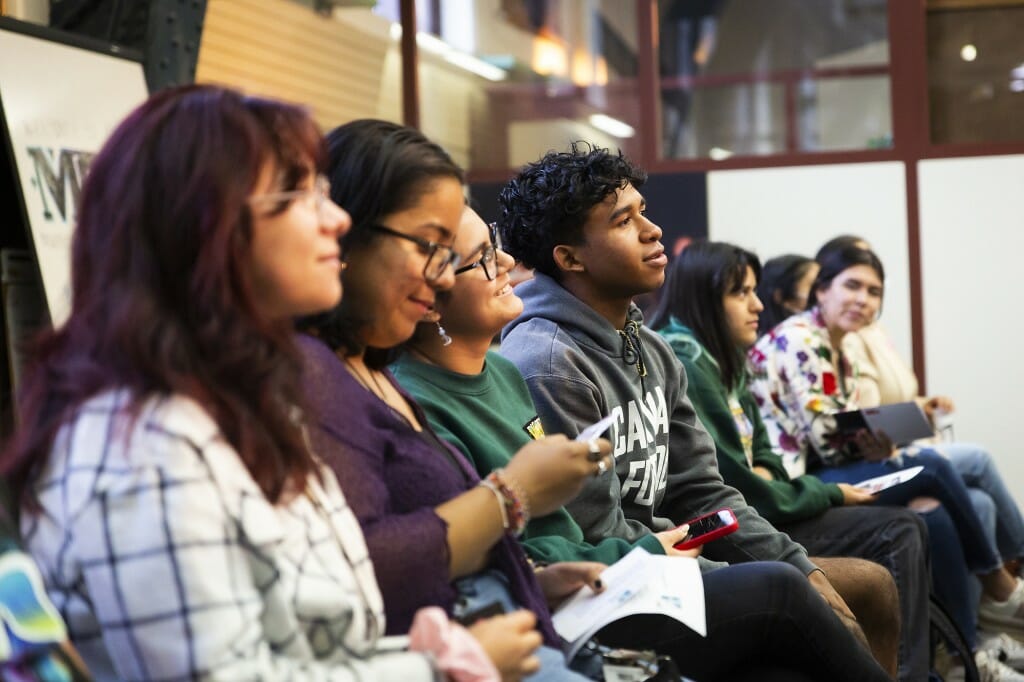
{"x":548,"y":203}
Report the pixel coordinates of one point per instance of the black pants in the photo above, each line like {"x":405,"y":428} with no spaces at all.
{"x":761,"y":616}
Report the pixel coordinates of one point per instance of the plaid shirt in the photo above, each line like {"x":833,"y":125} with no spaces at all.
{"x":168,"y":563}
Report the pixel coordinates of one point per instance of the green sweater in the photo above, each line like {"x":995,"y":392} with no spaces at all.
{"x":782,"y":500}
{"x":488,"y":417}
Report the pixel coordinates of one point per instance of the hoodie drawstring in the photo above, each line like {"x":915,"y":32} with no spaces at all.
{"x":632,"y":347}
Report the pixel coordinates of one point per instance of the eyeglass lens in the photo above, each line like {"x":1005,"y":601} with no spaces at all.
{"x":438,"y":259}
{"x":438,"y":256}
{"x":321,"y":194}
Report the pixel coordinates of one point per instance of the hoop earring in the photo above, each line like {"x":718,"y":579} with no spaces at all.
{"x":445,"y":339}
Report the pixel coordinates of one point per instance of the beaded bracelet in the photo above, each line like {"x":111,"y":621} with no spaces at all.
{"x":486,"y":483}
{"x":515,"y":509}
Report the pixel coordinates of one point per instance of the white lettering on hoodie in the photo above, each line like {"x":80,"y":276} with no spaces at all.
{"x":636,"y":429}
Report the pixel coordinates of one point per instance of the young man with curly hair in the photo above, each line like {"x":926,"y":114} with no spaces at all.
{"x":578,"y":218}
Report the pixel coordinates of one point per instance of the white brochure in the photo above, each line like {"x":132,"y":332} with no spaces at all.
{"x":638,"y":583}
{"x":880,"y":483}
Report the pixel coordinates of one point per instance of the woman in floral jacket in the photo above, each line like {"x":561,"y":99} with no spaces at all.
{"x":799,"y":382}
{"x":801,"y":379}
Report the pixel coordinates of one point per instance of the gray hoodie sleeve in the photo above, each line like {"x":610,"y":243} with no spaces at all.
{"x":568,"y":405}
{"x":695,"y":487}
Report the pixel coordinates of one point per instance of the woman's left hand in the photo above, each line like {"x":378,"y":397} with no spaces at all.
{"x":559,"y":581}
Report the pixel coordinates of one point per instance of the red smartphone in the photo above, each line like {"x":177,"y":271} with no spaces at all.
{"x":709,"y":527}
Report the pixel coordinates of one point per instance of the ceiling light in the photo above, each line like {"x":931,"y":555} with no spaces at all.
{"x":612,"y":126}
{"x":434,"y":45}
{"x":476,"y":65}
{"x":549,"y":56}
{"x":968,"y":53}
{"x":1017,"y":86}
{"x":719,"y":154}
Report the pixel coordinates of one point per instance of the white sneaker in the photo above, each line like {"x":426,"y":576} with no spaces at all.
{"x":991,"y":669}
{"x":1006,"y":649}
{"x":1005,"y":616}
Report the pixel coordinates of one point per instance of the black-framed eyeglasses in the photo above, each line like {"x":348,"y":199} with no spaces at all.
{"x":321,"y":191}
{"x":438,"y":256}
{"x":488,"y":255}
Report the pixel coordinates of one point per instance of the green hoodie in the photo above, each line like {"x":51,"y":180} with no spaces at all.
{"x":782,"y":500}
{"x":489,"y":416}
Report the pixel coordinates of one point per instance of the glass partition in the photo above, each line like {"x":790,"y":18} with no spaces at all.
{"x":503,"y":81}
{"x":759,"y":77}
{"x":976,"y":71}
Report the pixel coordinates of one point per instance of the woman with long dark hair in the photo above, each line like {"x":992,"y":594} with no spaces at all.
{"x":709,"y":313}
{"x":184,"y":527}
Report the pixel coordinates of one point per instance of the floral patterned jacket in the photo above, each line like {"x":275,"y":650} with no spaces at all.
{"x":799,"y":381}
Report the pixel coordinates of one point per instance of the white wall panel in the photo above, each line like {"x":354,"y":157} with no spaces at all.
{"x":773,"y":211}
{"x":972,"y":244}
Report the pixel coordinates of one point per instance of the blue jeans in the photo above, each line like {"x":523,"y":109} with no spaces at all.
{"x":953,"y":585}
{"x":938,"y":479}
{"x":993,"y":503}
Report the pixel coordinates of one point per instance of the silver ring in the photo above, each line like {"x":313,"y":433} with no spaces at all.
{"x":594,"y":450}
{"x":602,"y":466}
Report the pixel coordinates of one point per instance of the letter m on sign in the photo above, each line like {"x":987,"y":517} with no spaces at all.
{"x":56,"y":178}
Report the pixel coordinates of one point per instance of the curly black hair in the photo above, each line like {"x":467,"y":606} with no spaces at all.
{"x":548,"y":203}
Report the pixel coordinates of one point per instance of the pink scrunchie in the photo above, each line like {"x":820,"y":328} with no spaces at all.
{"x":458,"y":654}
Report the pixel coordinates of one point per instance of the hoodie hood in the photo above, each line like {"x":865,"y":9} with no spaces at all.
{"x":579,"y":368}
{"x":545,"y":299}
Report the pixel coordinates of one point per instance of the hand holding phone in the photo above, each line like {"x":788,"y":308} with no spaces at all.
{"x":668,"y":539}
{"x":709,"y":527}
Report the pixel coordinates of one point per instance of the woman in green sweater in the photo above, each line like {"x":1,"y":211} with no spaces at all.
{"x":478,"y":401}
{"x":709,"y":314}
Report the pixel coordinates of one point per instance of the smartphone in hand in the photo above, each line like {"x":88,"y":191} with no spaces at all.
{"x":709,"y":527}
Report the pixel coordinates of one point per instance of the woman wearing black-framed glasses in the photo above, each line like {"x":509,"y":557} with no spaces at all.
{"x":487,"y":252}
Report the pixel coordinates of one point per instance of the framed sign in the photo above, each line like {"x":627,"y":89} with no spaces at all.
{"x":60,"y":97}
